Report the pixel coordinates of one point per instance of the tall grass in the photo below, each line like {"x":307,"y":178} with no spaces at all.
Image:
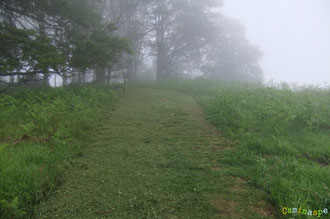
{"x":284,"y":140}
{"x":39,"y":131}
{"x":282,"y":136}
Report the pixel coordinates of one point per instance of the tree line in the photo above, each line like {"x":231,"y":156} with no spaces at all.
{"x":41,"y":38}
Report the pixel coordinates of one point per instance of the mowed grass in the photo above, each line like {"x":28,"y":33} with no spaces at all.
{"x":155,"y":157}
{"x":281,"y":135}
{"x":40,"y":132}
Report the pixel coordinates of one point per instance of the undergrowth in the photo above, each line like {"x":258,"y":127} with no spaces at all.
{"x":39,"y":132}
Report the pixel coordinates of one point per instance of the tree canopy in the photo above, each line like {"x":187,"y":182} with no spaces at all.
{"x":54,"y":36}
{"x":39,"y":38}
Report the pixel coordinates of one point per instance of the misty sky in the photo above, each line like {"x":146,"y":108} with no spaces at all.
{"x":294,"y":36}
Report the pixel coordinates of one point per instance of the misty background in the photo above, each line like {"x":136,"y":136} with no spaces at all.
{"x":164,"y":108}
{"x":294,"y":36}
{"x":83,"y":41}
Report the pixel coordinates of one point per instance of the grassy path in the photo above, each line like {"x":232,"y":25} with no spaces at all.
{"x":154,"y":157}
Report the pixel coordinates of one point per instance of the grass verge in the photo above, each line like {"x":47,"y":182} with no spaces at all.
{"x":40,"y":131}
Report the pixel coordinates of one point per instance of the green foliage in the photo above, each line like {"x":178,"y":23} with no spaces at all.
{"x":101,"y":49}
{"x":55,"y":37}
{"x":39,"y":131}
{"x":22,"y":47}
{"x":43,"y":112}
{"x":11,"y":208}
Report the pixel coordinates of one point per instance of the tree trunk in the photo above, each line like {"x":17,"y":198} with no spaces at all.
{"x":160,"y":44}
{"x":109,"y":76}
{"x":100,"y":75}
{"x":82,"y":77}
{"x":136,"y":65}
{"x":161,"y":61}
{"x":55,"y":80}
{"x":65,"y":79}
{"x":42,"y":31}
{"x":75,"y":78}
{"x":45,"y":81}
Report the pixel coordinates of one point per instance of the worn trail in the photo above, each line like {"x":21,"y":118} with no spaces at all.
{"x":154,"y":157}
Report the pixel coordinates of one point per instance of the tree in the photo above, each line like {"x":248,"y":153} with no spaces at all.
{"x":178,"y":42}
{"x":47,"y":37}
{"x":189,"y":36}
{"x":26,"y":53}
{"x":99,"y":51}
{"x":129,"y":17}
{"x":70,"y":37}
{"x":231,"y":56}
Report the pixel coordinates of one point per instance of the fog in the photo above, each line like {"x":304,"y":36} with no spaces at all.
{"x":227,"y":40}
{"x":294,"y":36}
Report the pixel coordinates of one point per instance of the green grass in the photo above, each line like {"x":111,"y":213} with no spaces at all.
{"x":40,"y":131}
{"x":154,"y":157}
{"x":284,"y":134}
{"x":282,"y":137}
